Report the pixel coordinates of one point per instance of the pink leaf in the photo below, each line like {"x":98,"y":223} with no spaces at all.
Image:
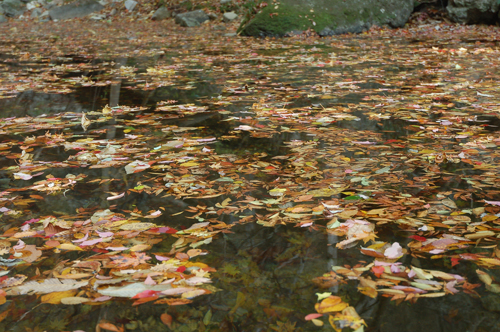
{"x":313,"y":316}
{"x":395,"y":251}
{"x":497,"y":203}
{"x":149,"y":281}
{"x":20,"y":245}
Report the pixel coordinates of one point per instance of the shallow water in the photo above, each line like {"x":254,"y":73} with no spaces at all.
{"x":264,"y":275}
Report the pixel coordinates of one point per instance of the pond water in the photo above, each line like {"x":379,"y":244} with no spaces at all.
{"x":263,"y":145}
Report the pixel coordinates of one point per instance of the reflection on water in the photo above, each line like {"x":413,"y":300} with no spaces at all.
{"x":267,"y":276}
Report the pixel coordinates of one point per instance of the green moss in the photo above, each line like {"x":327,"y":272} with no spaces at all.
{"x":276,"y":22}
{"x":295,"y":15}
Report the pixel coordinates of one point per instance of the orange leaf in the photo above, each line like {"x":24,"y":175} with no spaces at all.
{"x":145,"y":299}
{"x":4,"y":314}
{"x":166,"y":319}
{"x":378,"y":270}
{"x":110,"y":327}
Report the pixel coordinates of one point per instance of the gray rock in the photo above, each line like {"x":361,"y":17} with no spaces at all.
{"x":112,"y":12}
{"x":212,"y":16}
{"x":223,"y":2}
{"x":191,"y":19}
{"x":3,"y":19}
{"x":13,"y":8}
{"x":327,"y":17}
{"x":78,"y":8}
{"x":53,"y":3}
{"x":161,"y":14}
{"x":473,"y":11}
{"x":36,"y":12}
{"x":130,"y":5}
{"x":98,"y":17}
{"x":227,"y":17}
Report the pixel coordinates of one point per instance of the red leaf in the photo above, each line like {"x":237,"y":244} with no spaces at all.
{"x":146,"y":293}
{"x":181,"y":269}
{"x":146,"y":299}
{"x":455,"y":261}
{"x":418,"y":238}
{"x":378,"y":270}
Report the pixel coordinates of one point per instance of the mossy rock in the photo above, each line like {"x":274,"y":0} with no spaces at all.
{"x":327,"y":17}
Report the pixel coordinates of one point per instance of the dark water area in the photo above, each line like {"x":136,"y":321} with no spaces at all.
{"x":264,"y":277}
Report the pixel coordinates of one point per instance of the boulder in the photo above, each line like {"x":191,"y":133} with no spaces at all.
{"x":12,"y":8}
{"x":327,"y":17}
{"x":229,"y":16}
{"x":473,"y":11}
{"x":161,"y":14}
{"x":3,"y":19}
{"x":191,"y":19}
{"x":78,"y":8}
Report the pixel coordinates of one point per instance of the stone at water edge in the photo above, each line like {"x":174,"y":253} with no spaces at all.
{"x":12,"y":8}
{"x":230,"y":16}
{"x":130,"y":5}
{"x":36,"y":12}
{"x":327,"y":17}
{"x":78,"y":8}
{"x":161,"y":14}
{"x":191,"y":19}
{"x":470,"y":12}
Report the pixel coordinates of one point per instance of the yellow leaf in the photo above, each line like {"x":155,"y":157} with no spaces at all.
{"x":55,"y":298}
{"x":322,"y":296}
{"x":140,"y":247}
{"x":479,"y":235}
{"x":74,"y":275}
{"x":331,"y":304}
{"x":484,"y":277}
{"x":68,"y":246}
{"x":189,"y":164}
{"x":368,"y":291}
{"x":317,"y":322}
{"x":85,"y":122}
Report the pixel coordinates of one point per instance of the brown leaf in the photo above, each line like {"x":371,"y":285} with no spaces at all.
{"x":166,"y":319}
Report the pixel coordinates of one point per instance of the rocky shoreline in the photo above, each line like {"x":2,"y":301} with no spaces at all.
{"x":258,"y":18}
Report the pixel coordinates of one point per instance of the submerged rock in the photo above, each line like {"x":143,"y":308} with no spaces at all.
{"x":78,"y":8}
{"x":327,"y":17}
{"x":191,"y":19}
{"x":470,"y":12}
